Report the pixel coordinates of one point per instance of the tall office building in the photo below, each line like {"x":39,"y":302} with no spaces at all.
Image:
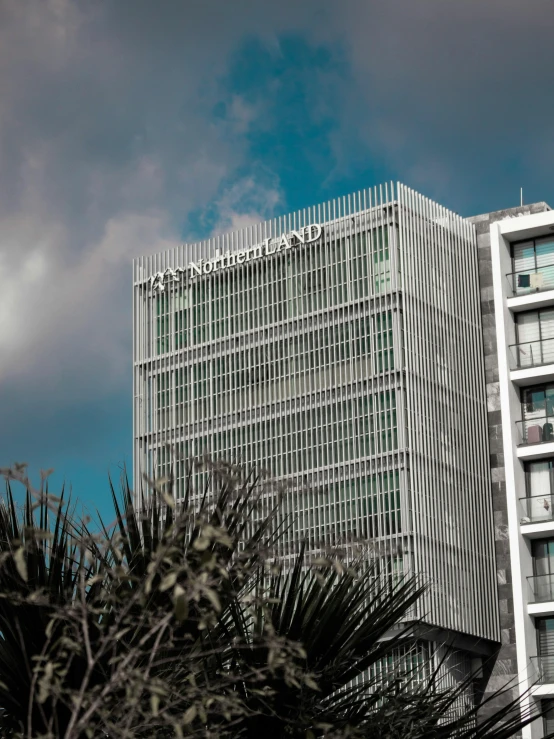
{"x":341,"y":349}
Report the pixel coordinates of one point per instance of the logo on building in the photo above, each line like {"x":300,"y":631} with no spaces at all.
{"x":306,"y":235}
{"x":160,"y":279}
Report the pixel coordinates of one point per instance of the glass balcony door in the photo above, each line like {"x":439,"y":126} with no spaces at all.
{"x":533,"y":265}
{"x":539,"y":484}
{"x":543,"y":556}
{"x":548,"y":717}
{"x":544,"y":255}
{"x":535,"y":338}
{"x":546,"y":324}
{"x":523,"y":256}
{"x":543,"y":570}
{"x":538,"y":413}
{"x":545,"y":646}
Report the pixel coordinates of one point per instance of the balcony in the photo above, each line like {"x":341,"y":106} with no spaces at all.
{"x":537,"y":508}
{"x":529,"y":281}
{"x":532,"y":353}
{"x":537,"y":429}
{"x":541,"y":589}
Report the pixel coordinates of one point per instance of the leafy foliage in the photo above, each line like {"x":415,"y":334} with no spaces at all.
{"x":179,"y":621}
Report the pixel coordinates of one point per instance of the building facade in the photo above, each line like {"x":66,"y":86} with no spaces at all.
{"x":521,"y":400}
{"x":341,"y":349}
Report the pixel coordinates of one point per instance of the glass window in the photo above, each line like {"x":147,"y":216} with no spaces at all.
{"x":548,"y":716}
{"x":543,"y":570}
{"x":533,"y":265}
{"x":538,"y":399}
{"x":535,"y":337}
{"x":523,"y":256}
{"x":530,"y":254}
{"x":539,"y":477}
{"x":545,"y":641}
{"x":546,"y":318}
{"x":543,"y":556}
{"x":528,"y":349}
{"x":544,"y":251}
{"x":528,"y":327}
{"x":538,"y":413}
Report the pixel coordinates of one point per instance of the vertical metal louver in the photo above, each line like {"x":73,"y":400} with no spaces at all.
{"x":351,"y":367}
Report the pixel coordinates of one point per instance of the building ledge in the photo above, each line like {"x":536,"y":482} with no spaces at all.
{"x":527,"y":225}
{"x":532,"y":300}
{"x":537,"y":530}
{"x":532,"y":375}
{"x":543,"y":690}
{"x":536,"y":451}
{"x":541,"y":609}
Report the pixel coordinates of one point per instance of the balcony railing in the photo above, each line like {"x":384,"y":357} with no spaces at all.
{"x":543,"y":668}
{"x":531,"y":280}
{"x":532,"y":353}
{"x":537,"y":508}
{"x":536,"y":430}
{"x":541,"y":588}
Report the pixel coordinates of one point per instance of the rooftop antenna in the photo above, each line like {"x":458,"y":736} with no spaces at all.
{"x":521,"y":196}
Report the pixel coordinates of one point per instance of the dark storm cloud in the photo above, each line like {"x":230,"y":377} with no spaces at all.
{"x":108,"y":141}
{"x":106,"y":85}
{"x":457,"y":96}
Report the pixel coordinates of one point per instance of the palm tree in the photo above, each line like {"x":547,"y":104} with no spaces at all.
{"x":359,"y":675}
{"x":179,"y":621}
{"x":96,"y":629}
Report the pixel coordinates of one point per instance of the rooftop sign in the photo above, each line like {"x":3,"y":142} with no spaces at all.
{"x":219,"y":262}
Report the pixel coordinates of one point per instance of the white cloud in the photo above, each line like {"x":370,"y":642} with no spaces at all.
{"x":445,"y":93}
{"x":242,"y":114}
{"x":63,"y":313}
{"x":247,"y":202}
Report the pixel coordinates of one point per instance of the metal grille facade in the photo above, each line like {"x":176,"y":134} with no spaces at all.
{"x":350,"y":366}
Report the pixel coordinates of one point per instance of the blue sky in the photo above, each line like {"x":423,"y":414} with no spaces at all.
{"x":129,"y":126}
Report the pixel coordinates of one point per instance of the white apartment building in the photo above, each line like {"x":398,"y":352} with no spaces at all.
{"x":522,"y":254}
